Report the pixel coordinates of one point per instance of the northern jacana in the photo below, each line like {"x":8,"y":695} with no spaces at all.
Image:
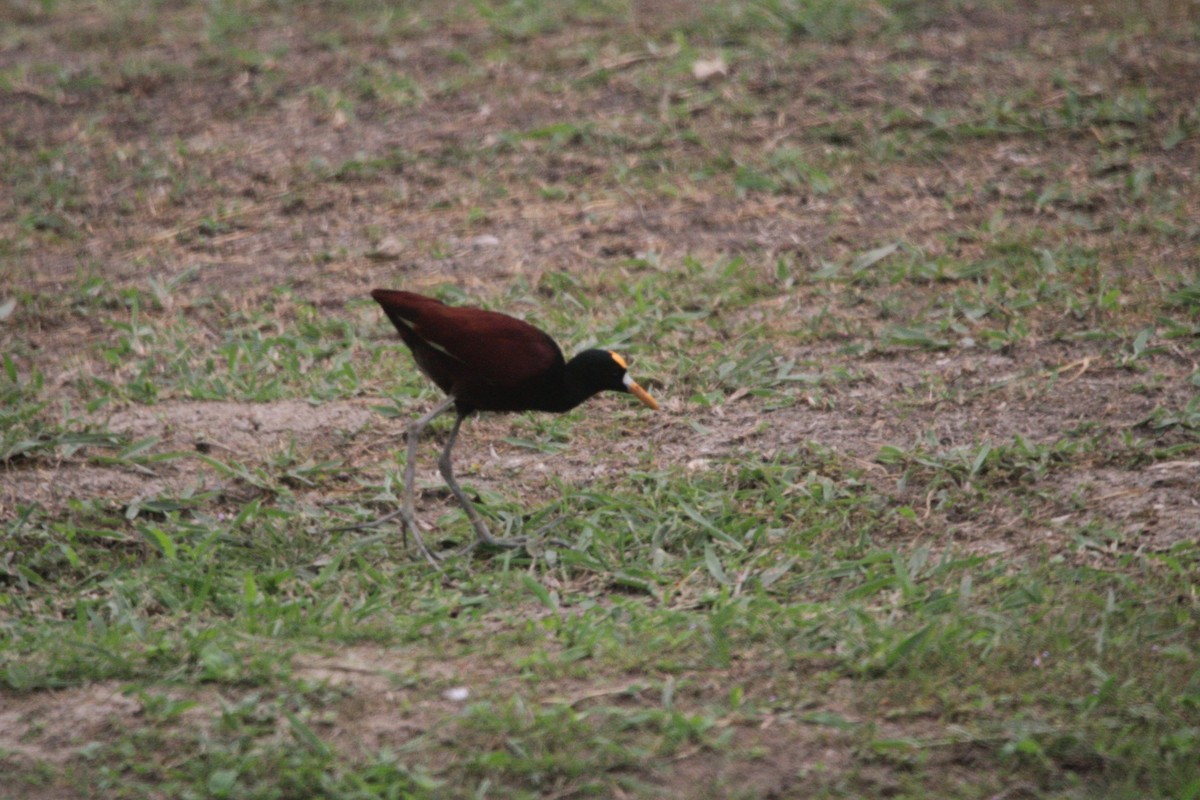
{"x":487,"y":361}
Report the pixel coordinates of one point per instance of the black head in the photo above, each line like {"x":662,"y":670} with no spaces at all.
{"x":604,"y":370}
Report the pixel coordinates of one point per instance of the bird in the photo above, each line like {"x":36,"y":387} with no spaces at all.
{"x":488,"y":361}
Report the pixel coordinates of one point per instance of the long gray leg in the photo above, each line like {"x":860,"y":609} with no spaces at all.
{"x":447,"y":470}
{"x":407,"y":513}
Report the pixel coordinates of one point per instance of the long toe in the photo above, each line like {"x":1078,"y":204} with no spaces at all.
{"x":493,"y":543}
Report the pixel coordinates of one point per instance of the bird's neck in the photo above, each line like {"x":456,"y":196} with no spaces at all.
{"x":575,"y":388}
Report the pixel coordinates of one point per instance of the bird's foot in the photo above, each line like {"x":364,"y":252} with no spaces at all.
{"x":362,"y":526}
{"x":534,"y":543}
{"x":540,"y":534}
{"x":408,"y":523}
{"x":486,"y":540}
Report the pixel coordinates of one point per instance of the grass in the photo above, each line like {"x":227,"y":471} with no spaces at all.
{"x":917,"y":519}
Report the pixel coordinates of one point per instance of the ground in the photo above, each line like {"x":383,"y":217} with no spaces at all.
{"x":915,"y":285}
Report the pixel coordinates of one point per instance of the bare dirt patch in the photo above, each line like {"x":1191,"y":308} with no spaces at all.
{"x":54,"y":726}
{"x":243,"y":432}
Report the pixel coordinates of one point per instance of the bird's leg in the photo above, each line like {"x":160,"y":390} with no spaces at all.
{"x":407,"y":514}
{"x":482,"y":533}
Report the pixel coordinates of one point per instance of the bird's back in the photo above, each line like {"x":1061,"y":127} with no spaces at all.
{"x":486,"y":360}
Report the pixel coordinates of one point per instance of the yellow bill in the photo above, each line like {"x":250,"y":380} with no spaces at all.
{"x":640,"y":393}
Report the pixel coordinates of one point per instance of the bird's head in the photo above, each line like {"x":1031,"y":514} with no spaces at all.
{"x":606,"y":370}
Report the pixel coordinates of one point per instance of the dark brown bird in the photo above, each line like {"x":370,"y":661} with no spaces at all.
{"x":487,"y":361}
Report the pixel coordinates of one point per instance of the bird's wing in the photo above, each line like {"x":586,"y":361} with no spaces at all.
{"x":484,"y":347}
{"x":499,"y":350}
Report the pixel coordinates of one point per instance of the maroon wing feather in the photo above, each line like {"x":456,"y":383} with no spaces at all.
{"x":485,"y":359}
